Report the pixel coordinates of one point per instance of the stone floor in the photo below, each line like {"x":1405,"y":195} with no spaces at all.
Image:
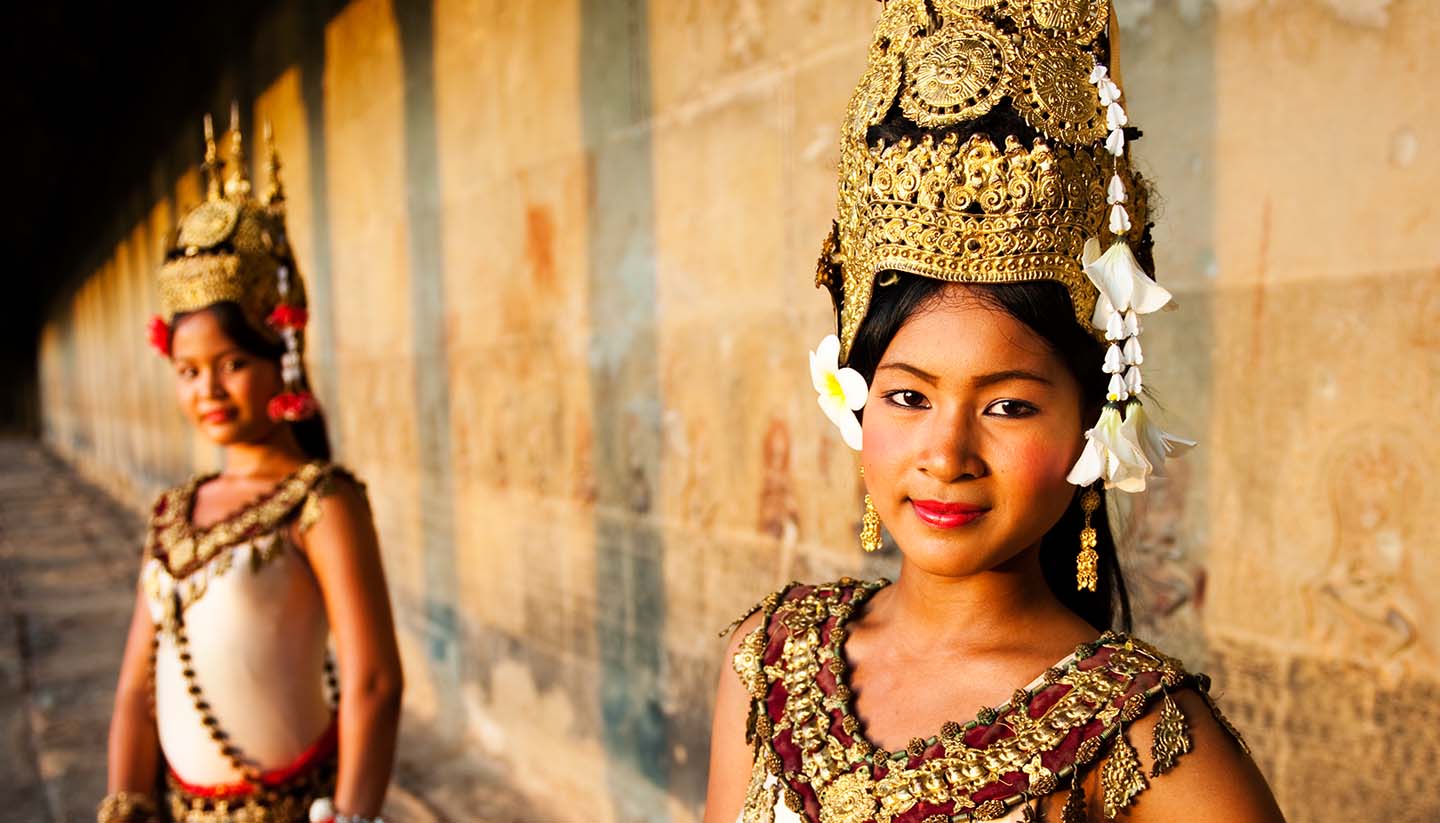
{"x":68,"y":558}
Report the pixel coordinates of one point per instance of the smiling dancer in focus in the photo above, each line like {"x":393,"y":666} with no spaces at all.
{"x":989,"y":271}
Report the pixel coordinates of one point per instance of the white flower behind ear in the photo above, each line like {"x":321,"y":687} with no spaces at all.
{"x":842,"y":392}
{"x":1111,"y":454}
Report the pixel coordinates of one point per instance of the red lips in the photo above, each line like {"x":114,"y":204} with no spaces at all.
{"x":942,"y":515}
{"x":218,"y":416}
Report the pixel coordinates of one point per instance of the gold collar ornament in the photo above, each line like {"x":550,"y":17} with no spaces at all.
{"x":959,"y":201}
{"x":233,"y":248}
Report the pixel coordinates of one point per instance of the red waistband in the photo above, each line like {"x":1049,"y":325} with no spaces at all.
{"x":323,"y":747}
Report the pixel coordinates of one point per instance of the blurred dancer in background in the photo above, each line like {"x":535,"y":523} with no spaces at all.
{"x":229,"y":706}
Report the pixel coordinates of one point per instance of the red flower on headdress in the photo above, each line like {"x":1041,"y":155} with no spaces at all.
{"x":287,"y":316}
{"x":159,"y":332}
{"x":292,"y":407}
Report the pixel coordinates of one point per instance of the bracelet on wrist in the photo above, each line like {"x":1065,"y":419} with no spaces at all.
{"x":127,"y":807}
{"x":323,"y":811}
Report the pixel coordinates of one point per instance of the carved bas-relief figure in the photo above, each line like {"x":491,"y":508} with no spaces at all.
{"x":1362,"y":602}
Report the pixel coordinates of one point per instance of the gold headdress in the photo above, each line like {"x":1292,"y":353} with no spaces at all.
{"x":986,"y":143}
{"x":234,"y":248}
{"x":987,"y":208}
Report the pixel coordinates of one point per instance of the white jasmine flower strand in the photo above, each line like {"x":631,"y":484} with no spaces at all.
{"x":1133,"y":383}
{"x":1111,"y":454}
{"x":1119,"y":219}
{"x":1114,"y":360}
{"x":1117,"y":391}
{"x":1109,"y":92}
{"x":1115,"y":116}
{"x":1116,"y":192}
{"x":1132,"y":322}
{"x":1114,"y":326}
{"x":1157,"y":445}
{"x":1124,"y":448}
{"x":1115,"y":143}
{"x":1123,"y":284}
{"x":1133,"y":356}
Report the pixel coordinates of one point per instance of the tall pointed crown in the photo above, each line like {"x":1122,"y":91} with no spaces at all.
{"x":233,"y":247}
{"x":974,"y":151}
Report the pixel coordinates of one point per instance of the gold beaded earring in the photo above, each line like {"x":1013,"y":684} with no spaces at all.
{"x":1086,"y":564}
{"x":870,"y":524}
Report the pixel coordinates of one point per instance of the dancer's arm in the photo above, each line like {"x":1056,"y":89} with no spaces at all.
{"x":731,"y":757}
{"x":134,"y":750}
{"x":1215,"y":781}
{"x":344,"y":552}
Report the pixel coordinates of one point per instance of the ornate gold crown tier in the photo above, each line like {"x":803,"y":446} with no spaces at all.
{"x":955,"y":63}
{"x":967,"y":210}
{"x":970,"y":213}
{"x":228,"y":252}
{"x":233,"y":247}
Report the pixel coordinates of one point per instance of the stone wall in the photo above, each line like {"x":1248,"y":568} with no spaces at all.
{"x":561,"y":256}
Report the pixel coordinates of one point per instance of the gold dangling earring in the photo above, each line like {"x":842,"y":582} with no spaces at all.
{"x":870,"y":524}
{"x":1086,"y":564}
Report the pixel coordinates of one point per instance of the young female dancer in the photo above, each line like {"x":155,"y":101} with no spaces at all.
{"x":229,"y":707}
{"x":988,"y":293}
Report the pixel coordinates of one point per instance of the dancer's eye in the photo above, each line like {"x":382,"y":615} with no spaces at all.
{"x":1010,"y":408}
{"x":907,"y":399}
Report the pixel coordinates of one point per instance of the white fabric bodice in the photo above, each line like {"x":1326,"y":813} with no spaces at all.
{"x":257,"y":633}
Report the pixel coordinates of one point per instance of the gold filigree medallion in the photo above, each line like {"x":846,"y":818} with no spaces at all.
{"x":899,"y":22}
{"x":951,"y":10}
{"x":1076,"y":20}
{"x":956,"y":74}
{"x":850,"y":798}
{"x":1053,"y":92}
{"x":875,"y":95}
{"x":948,"y":8}
{"x":209,"y":225}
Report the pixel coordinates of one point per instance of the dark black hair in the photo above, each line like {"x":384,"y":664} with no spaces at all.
{"x":312,"y":435}
{"x":1043,"y":306}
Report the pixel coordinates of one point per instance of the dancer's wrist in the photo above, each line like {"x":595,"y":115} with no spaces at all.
{"x":323,"y":811}
{"x":127,"y":807}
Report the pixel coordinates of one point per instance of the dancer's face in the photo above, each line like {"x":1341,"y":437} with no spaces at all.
{"x":971,"y":426}
{"x":222,"y":388}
